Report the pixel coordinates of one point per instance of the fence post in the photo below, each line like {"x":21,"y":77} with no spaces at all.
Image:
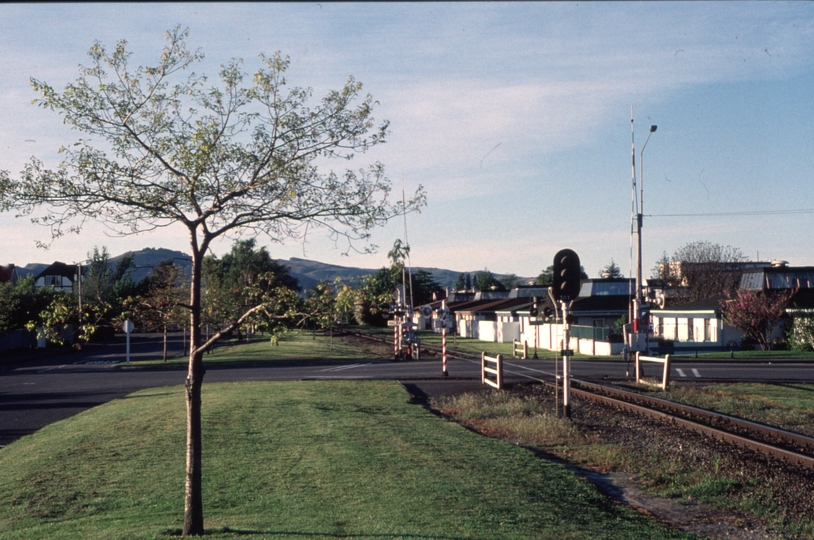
{"x":638,"y":368}
{"x":500,"y":371}
{"x":483,"y":368}
{"x":666,"y":379}
{"x":525,"y":350}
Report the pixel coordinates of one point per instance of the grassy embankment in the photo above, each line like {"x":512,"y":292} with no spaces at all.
{"x":533,"y":423}
{"x":295,"y":460}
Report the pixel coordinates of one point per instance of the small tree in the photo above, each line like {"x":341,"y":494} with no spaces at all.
{"x":160,"y":304}
{"x":460,"y":283}
{"x":612,"y":269}
{"x":245,"y":154}
{"x":546,"y":277}
{"x":801,"y":333}
{"x":485,"y":281}
{"x":756,"y":313}
{"x":702,"y":270}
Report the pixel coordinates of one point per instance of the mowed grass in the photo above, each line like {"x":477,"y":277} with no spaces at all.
{"x":294,"y":346}
{"x":311,"y":459}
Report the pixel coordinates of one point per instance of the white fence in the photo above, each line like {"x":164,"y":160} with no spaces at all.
{"x":488,"y":373}
{"x":665,"y":378}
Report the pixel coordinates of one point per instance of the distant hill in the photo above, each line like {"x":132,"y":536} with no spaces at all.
{"x":308,"y":273}
{"x":148,"y":258}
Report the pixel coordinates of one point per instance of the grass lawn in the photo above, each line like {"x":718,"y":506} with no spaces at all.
{"x":294,"y":346}
{"x":310,"y":459}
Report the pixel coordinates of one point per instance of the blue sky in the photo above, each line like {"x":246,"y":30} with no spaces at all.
{"x":515,"y":117}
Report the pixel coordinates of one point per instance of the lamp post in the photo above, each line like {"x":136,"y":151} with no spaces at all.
{"x":639,"y":219}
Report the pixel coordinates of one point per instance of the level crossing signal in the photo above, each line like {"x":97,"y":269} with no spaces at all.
{"x":567,"y":275}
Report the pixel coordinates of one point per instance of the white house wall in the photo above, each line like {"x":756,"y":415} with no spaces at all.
{"x":487,"y":331}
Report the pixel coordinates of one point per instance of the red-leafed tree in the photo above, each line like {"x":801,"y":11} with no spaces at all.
{"x":756,"y":313}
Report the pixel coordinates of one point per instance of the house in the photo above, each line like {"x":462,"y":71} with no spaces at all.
{"x":59,"y":275}
{"x":8,"y":274}
{"x":699,"y":325}
{"x":695,"y":325}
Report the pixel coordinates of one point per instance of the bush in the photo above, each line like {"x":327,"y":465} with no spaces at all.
{"x":800,"y":334}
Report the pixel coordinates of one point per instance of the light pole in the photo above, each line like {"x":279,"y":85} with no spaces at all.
{"x":639,"y":219}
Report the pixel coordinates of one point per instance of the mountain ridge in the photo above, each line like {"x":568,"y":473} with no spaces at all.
{"x":308,"y":272}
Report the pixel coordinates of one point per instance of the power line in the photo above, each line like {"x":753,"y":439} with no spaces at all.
{"x":742,"y":213}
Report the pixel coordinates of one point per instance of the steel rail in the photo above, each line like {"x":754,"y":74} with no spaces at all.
{"x":723,"y":434}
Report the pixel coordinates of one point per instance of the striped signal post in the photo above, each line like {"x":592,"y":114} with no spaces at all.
{"x":444,"y":312}
{"x":396,"y":338}
{"x":444,"y":348}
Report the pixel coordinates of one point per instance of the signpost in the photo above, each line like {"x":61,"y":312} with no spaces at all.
{"x":128,"y":328}
{"x":567,"y":282}
{"x":444,"y":313}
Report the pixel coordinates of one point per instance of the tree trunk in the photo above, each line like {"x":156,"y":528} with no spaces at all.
{"x":193,"y":496}
{"x":165,"y":342}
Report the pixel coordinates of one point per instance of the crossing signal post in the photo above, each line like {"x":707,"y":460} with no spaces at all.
{"x":567,"y":282}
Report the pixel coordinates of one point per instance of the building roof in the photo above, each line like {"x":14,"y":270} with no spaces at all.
{"x":6,"y":273}
{"x":494,"y":305}
{"x":707,"y":304}
{"x":59,"y":269}
{"x":778,"y":277}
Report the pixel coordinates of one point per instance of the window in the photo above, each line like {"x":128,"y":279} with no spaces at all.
{"x":611,"y":289}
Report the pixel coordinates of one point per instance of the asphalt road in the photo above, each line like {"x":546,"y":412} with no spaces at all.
{"x":43,"y":390}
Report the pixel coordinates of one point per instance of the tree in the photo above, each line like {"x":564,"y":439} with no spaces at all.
{"x":231,"y":283}
{"x":612,"y":269}
{"x":22,"y":303}
{"x":756,"y":313}
{"x":546,"y":277}
{"x":160,"y":304}
{"x":244,"y":155}
{"x":703,"y":270}
{"x":662,"y":269}
{"x":511,"y":281}
{"x":460,"y":283}
{"x":97,"y":301}
{"x":485,"y":281}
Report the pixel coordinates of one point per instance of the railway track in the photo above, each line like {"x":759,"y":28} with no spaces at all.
{"x":778,"y":443}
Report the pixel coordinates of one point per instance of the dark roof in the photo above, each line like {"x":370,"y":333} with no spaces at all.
{"x":59,"y":269}
{"x":707,"y":304}
{"x":6,"y":273}
{"x":495,"y":305}
{"x":614,"y":304}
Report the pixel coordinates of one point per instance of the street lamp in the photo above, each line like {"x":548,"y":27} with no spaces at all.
{"x":639,"y":220}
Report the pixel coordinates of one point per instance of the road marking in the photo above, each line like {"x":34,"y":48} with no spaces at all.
{"x":343,"y":368}
{"x":49,"y":369}
{"x":695,"y":372}
{"x":681,"y":372}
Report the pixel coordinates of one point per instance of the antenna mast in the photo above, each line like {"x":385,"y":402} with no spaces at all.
{"x":407,"y":242}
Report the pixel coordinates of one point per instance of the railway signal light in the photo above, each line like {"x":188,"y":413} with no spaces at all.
{"x":567,"y":275}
